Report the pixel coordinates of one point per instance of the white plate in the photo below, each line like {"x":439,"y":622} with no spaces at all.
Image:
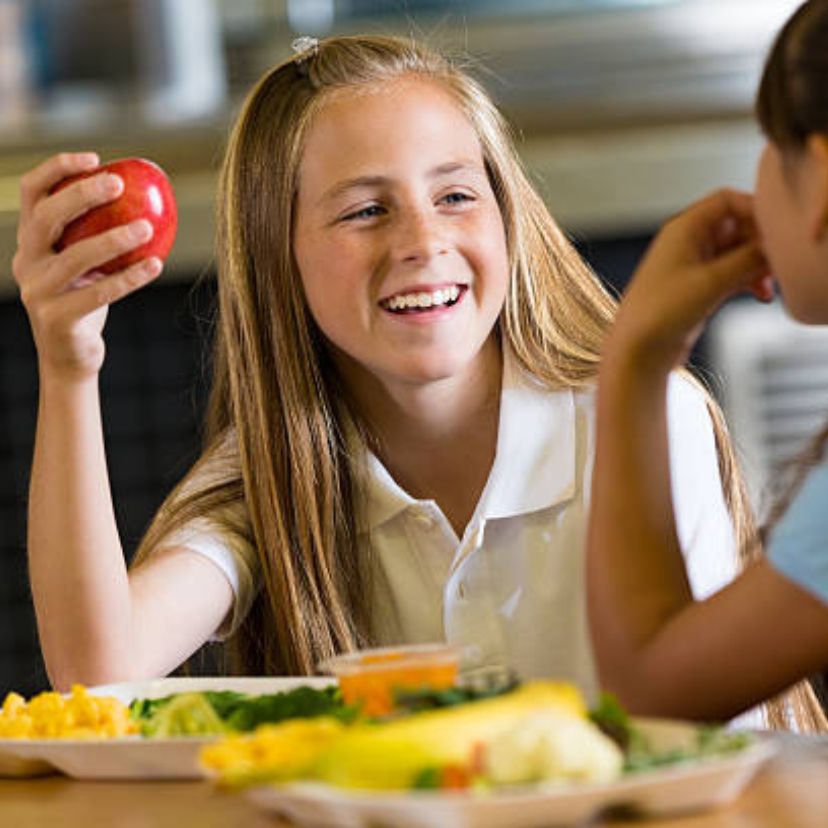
{"x":133,"y":757}
{"x":685,"y":787}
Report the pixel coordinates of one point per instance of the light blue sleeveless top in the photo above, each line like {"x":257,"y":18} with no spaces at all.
{"x":799,"y":544}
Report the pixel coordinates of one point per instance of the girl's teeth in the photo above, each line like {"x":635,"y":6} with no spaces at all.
{"x":423,"y":300}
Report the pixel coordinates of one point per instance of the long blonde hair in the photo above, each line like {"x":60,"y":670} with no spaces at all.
{"x":275,"y":389}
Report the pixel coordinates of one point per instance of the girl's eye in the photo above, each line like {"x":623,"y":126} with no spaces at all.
{"x":456,"y":198}
{"x":371,"y":211}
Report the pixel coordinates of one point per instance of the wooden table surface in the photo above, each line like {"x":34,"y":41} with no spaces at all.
{"x":792,"y":792}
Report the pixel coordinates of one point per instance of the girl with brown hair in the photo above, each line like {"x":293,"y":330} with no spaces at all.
{"x":660,"y":650}
{"x":400,"y":433}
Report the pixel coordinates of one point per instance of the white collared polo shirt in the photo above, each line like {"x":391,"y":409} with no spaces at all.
{"x":511,"y":591}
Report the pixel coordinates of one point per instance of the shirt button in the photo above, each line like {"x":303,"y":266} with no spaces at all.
{"x":424,"y":519}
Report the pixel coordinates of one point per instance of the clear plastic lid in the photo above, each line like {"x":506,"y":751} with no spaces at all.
{"x":391,"y":659}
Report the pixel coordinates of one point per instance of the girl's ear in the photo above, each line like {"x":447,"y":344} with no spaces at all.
{"x":817,"y":148}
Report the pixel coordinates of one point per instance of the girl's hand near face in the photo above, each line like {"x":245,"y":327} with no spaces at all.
{"x":698,"y":259}
{"x":657,"y":649}
{"x":65,"y":298}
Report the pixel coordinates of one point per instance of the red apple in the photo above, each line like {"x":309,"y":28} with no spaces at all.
{"x":147,"y":194}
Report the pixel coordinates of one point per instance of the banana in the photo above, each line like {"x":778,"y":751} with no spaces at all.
{"x":516,"y":730}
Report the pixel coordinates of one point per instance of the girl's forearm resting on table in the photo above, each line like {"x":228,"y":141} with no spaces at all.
{"x":660,"y":651}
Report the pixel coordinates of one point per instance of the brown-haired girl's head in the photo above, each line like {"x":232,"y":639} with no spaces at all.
{"x":793,"y":96}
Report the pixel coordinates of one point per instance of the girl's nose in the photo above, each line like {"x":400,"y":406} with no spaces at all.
{"x":419,"y":237}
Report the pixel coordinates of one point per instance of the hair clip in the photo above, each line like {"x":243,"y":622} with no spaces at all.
{"x":305,"y":47}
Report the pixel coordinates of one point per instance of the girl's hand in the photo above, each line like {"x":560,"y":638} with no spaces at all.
{"x":64,"y":296}
{"x":698,"y":259}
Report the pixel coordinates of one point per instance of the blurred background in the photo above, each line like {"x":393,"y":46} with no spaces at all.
{"x":626,"y":111}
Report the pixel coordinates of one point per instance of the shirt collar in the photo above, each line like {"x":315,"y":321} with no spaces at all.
{"x":534,"y":466}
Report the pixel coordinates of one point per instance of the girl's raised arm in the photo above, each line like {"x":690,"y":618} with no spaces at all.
{"x":660,"y":651}
{"x":95,"y":623}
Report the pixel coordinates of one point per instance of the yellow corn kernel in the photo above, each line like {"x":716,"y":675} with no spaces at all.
{"x":50,"y":715}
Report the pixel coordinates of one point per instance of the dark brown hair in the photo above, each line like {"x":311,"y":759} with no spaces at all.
{"x":792,"y":104}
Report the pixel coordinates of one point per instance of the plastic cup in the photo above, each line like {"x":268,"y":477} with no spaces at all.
{"x":370,"y":678}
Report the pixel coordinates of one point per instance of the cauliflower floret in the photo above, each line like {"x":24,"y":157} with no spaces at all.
{"x":549,"y":746}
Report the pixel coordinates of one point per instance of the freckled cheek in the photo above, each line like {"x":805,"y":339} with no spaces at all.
{"x":488,"y":240}
{"x":334,"y":264}
{"x":347,"y":290}
{"x":493,"y":256}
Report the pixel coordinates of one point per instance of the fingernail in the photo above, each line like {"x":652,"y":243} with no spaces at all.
{"x":111,"y":184}
{"x":152,"y":266}
{"x":140,"y":230}
{"x":88,"y":159}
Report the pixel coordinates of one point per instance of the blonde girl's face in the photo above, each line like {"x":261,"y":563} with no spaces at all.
{"x":398,"y":236}
{"x":790,"y":212}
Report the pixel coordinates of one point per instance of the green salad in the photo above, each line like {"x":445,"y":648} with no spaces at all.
{"x":225,"y":712}
{"x":537,"y":732}
{"x":641,"y":755}
{"x":217,"y":712}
